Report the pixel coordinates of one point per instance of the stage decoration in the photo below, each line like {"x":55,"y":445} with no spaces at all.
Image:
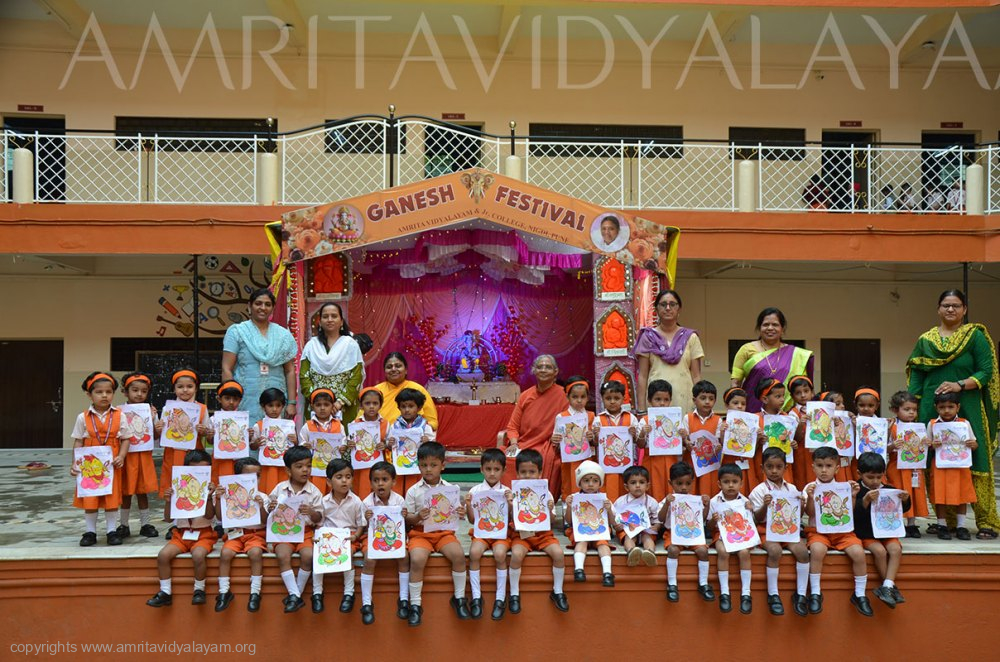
{"x":424,"y":339}
{"x":330,"y":277}
{"x":510,"y":340}
{"x":619,"y":373}
{"x":614,"y":332}
{"x":612,"y":280}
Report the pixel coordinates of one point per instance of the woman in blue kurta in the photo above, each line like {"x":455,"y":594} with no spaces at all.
{"x":260,"y":354}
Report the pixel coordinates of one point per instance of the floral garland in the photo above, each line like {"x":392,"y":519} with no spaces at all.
{"x":509,"y":339}
{"x":424,"y":340}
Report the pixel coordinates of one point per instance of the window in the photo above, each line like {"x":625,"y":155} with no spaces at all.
{"x":197,"y":127}
{"x":747,"y":138}
{"x":663,"y":142}
{"x":160,"y":357}
{"x":361,"y":138}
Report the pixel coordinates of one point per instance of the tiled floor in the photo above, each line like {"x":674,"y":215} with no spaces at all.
{"x":38,"y":521}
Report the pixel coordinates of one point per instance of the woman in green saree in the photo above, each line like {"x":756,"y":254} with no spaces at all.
{"x":954,"y":357}
{"x":332,"y":359}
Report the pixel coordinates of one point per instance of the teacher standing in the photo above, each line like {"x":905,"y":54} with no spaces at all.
{"x":954,"y":357}
{"x":769,"y":357}
{"x":332,"y":359}
{"x":260,"y":354}
{"x":668,"y":351}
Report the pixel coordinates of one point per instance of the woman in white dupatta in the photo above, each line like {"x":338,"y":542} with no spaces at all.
{"x":332,"y":359}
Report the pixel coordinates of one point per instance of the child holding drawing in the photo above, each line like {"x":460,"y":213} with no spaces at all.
{"x":950,"y":486}
{"x":139,"y":473}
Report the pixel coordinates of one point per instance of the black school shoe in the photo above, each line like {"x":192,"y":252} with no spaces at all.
{"x":815,"y":603}
{"x":943,"y":533}
{"x":402,"y":609}
{"x":253,"y":604}
{"x":799,"y":604}
{"x":673,"y":595}
{"x":706,"y":592}
{"x":515,"y":604}
{"x":89,"y":539}
{"x":774,"y":605}
{"x":123,"y":531}
{"x":608,"y":580}
{"x":884,"y":593}
{"x":725,"y":603}
{"x":476,"y":608}
{"x":913,"y":531}
{"x":559,"y":600}
{"x":114,"y":539}
{"x":347,"y":604}
{"x":746,"y":604}
{"x":198,"y":598}
{"x":862,"y":605}
{"x":294,"y":603}
{"x":367,"y":614}
{"x":499,"y":608}
{"x":579,"y":576}
{"x":317,"y":603}
{"x":413,"y":618}
{"x":161,"y":599}
{"x":148,"y":531}
{"x":170,"y":533}
{"x":460,"y":607}
{"x":962,"y":533}
{"x":223,"y":600}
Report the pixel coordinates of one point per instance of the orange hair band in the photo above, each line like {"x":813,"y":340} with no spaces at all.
{"x":579,"y":382}
{"x":867,"y":391}
{"x":725,"y":396}
{"x":769,"y":388}
{"x":98,"y":377}
{"x":184,"y":373}
{"x":230,"y":384}
{"x":136,"y":378}
{"x":322,"y":391}
{"x":369,"y":389}
{"x":822,"y":396}
{"x":802,"y":377}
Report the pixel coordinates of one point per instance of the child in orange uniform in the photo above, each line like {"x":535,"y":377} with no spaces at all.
{"x":826,"y":462}
{"x":577,"y":393}
{"x":139,"y":473}
{"x":612,"y":397}
{"x":590,"y":480}
{"x":371,"y":402}
{"x":272,"y":401}
{"x":298,"y":463}
{"x":320,"y":420}
{"x":409,"y":401}
{"x":886,"y":552}
{"x":383,"y":475}
{"x":195,"y":536}
{"x":906,"y":407}
{"x":185,"y":382}
{"x":801,"y":388}
{"x":771,"y":393}
{"x":659,"y":393}
{"x":529,"y":467}
{"x":430,"y":459}
{"x":682,"y":481}
{"x":249,"y":540}
{"x":230,"y":395}
{"x":342,"y":509}
{"x":100,"y":425}
{"x":704,"y":419}
{"x":951,"y":486}
{"x":730,"y":484}
{"x":492,"y":464}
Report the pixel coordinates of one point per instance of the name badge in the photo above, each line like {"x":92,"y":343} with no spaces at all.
{"x":233,"y":534}
{"x":191,"y":534}
{"x":915,"y":478}
{"x":265,"y":369}
{"x":743,"y":464}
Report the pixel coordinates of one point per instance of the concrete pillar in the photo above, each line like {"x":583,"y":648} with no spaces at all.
{"x":512,"y":167}
{"x":746,"y":189}
{"x":267,"y":178}
{"x":975,"y":197}
{"x":24,"y":177}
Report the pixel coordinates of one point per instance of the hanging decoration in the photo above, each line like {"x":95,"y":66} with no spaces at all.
{"x":508,"y":337}
{"x":424,"y":340}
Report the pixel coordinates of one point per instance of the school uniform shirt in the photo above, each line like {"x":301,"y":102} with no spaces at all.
{"x":652,"y":507}
{"x":758,"y":493}
{"x":395,"y":500}
{"x":348,"y":513}
{"x":313,"y":496}
{"x":719,"y":504}
{"x":416,"y":497}
{"x":863,"y":514}
{"x":330,"y":426}
{"x":485,"y":486}
{"x":418,"y":423}
{"x":80,"y":427}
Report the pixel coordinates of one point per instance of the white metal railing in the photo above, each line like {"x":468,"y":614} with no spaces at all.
{"x":360,"y":156}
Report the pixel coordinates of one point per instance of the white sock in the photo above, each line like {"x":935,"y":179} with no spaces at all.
{"x":143,"y":516}
{"x":578,"y":559}
{"x":164,"y":583}
{"x":302,"y":579}
{"x":606,"y":564}
{"x":745,"y":581}
{"x":477,"y":591}
{"x":317,"y":583}
{"x":367,"y":581}
{"x":223,"y":584}
{"x":515,"y":581}
{"x":724,"y":582}
{"x":960,"y":520}
{"x":942,"y":521}
{"x":502,"y":584}
{"x":90,"y":520}
{"x":349,"y":582}
{"x":814,"y":583}
{"x":199,"y":584}
{"x":558,"y":574}
{"x":111,"y":520}
{"x":802,"y":578}
{"x":702,"y":572}
{"x":416,"y":588}
{"x":256,"y":581}
{"x":458,"y":581}
{"x":404,"y":586}
{"x":860,"y":582}
{"x":288,"y":577}
{"x":123,"y":515}
{"x":772,"y":581}
{"x":672,"y":571}
{"x":888,"y":583}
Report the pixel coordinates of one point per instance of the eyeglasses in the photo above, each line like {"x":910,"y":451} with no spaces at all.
{"x":951,"y":306}
{"x":669,"y":304}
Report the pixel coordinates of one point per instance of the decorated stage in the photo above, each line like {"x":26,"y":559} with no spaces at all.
{"x":952,"y":589}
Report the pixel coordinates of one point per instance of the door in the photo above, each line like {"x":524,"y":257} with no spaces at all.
{"x":845,"y":171}
{"x":49,"y":150}
{"x":31,"y":397}
{"x":942,"y":165}
{"x":847,"y":364}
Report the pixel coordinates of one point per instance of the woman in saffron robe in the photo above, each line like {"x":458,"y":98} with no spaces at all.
{"x":769,"y":356}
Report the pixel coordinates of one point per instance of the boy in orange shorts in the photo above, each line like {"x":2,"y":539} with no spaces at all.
{"x":529,"y":467}
{"x":194,"y":535}
{"x":298,"y":462}
{"x":430,"y":460}
{"x":682,"y":481}
{"x":825,"y":464}
{"x":730,"y":492}
{"x":343,"y":509}
{"x":383,"y":478}
{"x":886,"y":552}
{"x":249,"y":540}
{"x":590,"y":480}
{"x":492,"y":464}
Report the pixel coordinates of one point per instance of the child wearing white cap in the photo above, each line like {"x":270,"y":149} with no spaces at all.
{"x":590,"y":480}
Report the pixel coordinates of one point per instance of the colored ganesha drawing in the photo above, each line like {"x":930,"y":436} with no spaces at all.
{"x":190,"y":492}
{"x":491,"y":515}
{"x":740,"y":436}
{"x":665,"y":433}
{"x":232,"y":436}
{"x":589,"y":518}
{"x":952,"y":448}
{"x":869,"y":439}
{"x":323,"y":453}
{"x":821,"y":429}
{"x":834,"y":509}
{"x":331,"y":549}
{"x":632,"y":520}
{"x":911,"y":447}
{"x":406,"y":453}
{"x":239,"y":502}
{"x":441,"y":508}
{"x":364,"y":446}
{"x":94,"y":473}
{"x":530,"y":507}
{"x":885,"y":513}
{"x":738,"y":526}
{"x":778,"y":436}
{"x":705,"y":452}
{"x":386,"y":534}
{"x":574,"y":439}
{"x":179,"y":426}
{"x":616,"y":451}
{"x":841,"y":435}
{"x":784,"y":516}
{"x":275,"y":442}
{"x":285,"y":520}
{"x":135,"y":427}
{"x":687,"y":521}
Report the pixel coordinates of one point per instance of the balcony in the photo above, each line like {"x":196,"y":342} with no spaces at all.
{"x":364,"y":154}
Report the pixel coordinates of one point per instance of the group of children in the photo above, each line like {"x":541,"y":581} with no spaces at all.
{"x":346,"y":497}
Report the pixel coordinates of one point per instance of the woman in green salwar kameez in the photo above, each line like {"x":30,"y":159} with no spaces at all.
{"x":332,"y":359}
{"x":954,"y":357}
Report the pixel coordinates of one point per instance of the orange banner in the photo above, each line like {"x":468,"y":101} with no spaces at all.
{"x":477,"y":194}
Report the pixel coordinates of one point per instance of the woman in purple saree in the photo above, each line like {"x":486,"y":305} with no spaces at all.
{"x":769,"y":356}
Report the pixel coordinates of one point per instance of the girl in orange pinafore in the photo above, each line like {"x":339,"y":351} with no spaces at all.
{"x":613,"y":396}
{"x":230,"y":395}
{"x":801,"y":388}
{"x":951,"y":486}
{"x":99,"y":426}
{"x":704,"y":419}
{"x":659,"y":393}
{"x":321,"y":420}
{"x":370,"y":400}
{"x":272,"y":401}
{"x":139,"y":472}
{"x":185,"y":382}
{"x":749,"y":466}
{"x":906,"y":407}
{"x":771,"y":393}
{"x":577,"y":393}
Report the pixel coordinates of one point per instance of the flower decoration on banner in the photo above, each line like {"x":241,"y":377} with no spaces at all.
{"x":509,"y":339}
{"x":424,"y":340}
